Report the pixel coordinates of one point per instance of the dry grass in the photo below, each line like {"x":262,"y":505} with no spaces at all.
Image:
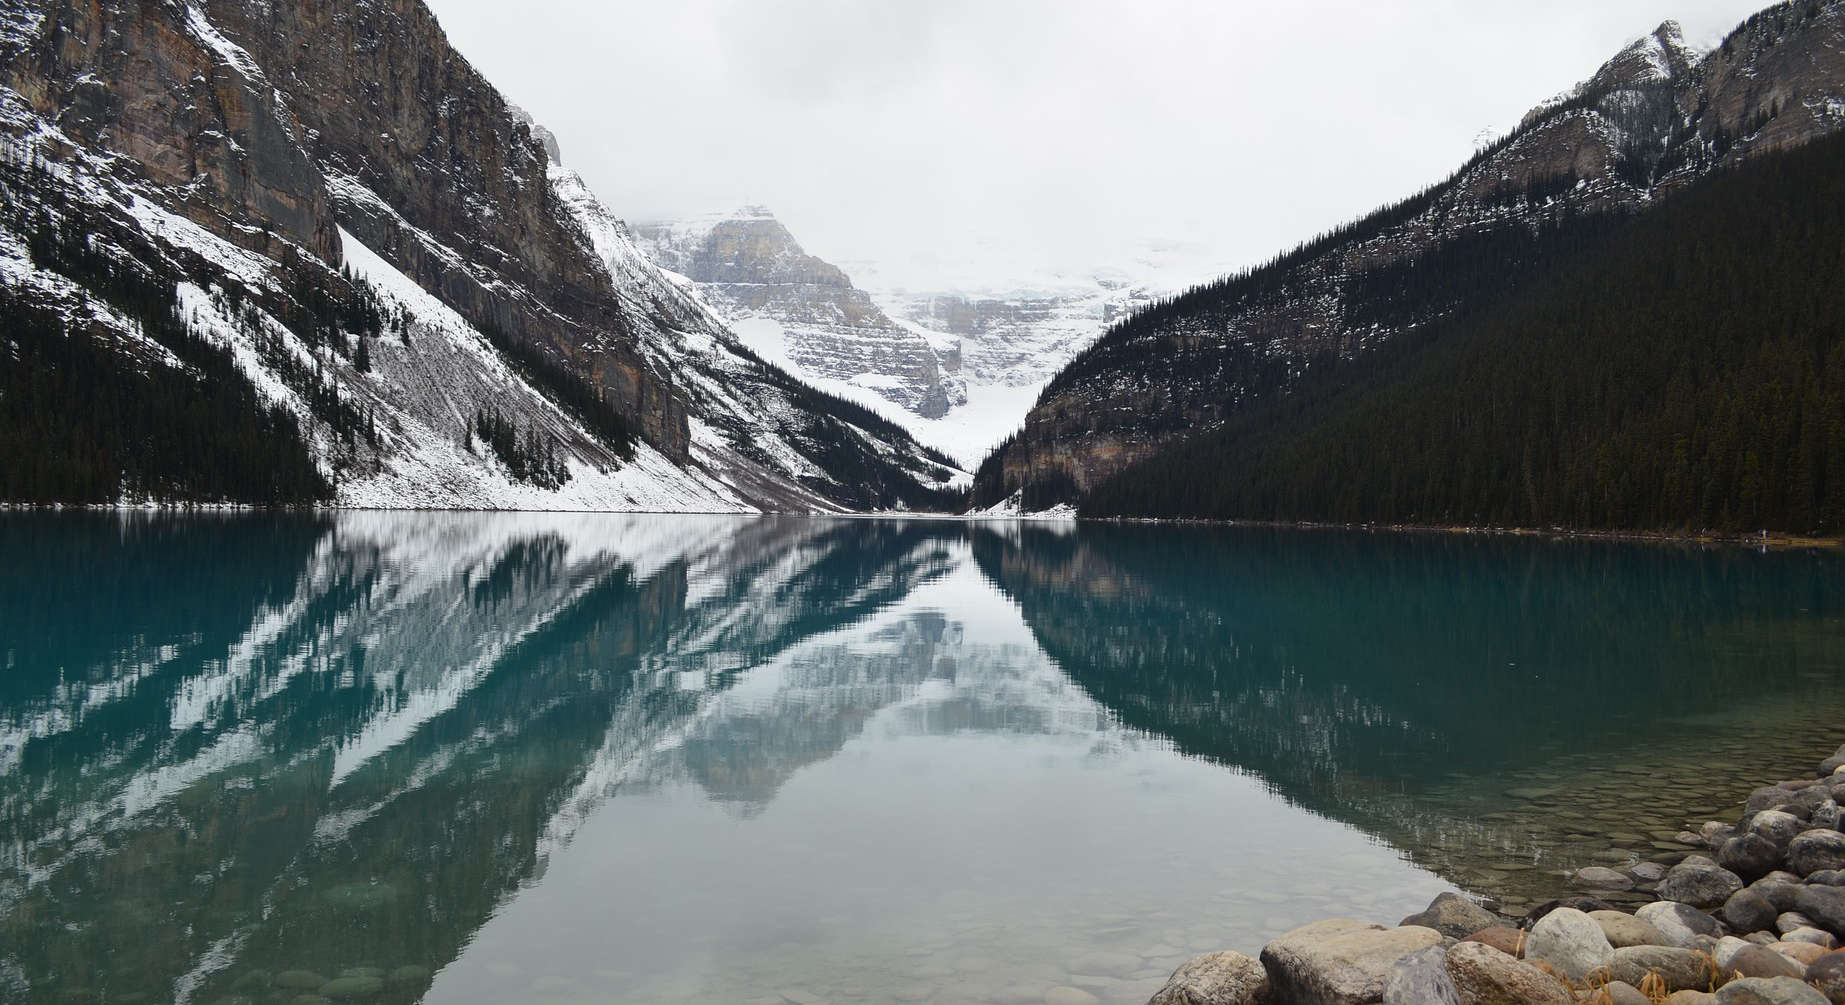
{"x":1653,"y":986}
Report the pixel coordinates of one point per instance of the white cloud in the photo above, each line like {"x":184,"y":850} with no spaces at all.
{"x":1027,"y":133}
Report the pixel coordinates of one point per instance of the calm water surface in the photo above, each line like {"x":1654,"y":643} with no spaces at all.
{"x":491,"y":758}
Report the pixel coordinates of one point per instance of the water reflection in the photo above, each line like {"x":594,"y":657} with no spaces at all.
{"x":462,"y":758}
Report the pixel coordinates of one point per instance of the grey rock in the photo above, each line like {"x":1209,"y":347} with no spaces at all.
{"x":1571,"y":941}
{"x":1339,"y":962}
{"x":1422,"y":978}
{"x":1825,"y":905}
{"x":1648,"y":872}
{"x":1597,"y":877}
{"x":1828,"y":975}
{"x":1625,"y":930}
{"x":1454,"y":916}
{"x":1623,"y":993}
{"x":1827,"y":877}
{"x":1816,"y":850}
{"x":1748,"y":911}
{"x":1486,"y":976}
{"x":1827,"y":814}
{"x":1776,"y":991}
{"x":1816,"y":936}
{"x":1833,"y":763}
{"x":1781,"y":895}
{"x":1760,"y":961}
{"x":1726,"y":950}
{"x":1790,"y":920}
{"x":1765,"y":797}
{"x":1679,"y":924}
{"x":1682,"y":969}
{"x":1750,"y":855}
{"x":1760,"y":939}
{"x":1699,"y":882}
{"x":1777,"y":826}
{"x":1215,"y":979}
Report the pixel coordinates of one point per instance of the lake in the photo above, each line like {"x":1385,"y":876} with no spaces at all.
{"x":481,"y":758}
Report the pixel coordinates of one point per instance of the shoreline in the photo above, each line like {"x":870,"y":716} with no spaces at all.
{"x":1752,"y":914}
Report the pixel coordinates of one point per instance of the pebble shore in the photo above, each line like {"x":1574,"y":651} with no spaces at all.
{"x":1752,"y":914}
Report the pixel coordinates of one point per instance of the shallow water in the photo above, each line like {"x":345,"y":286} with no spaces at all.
{"x":486,"y":758}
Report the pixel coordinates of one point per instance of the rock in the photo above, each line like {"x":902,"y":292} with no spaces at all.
{"x":1682,"y":969}
{"x":1065,"y":995}
{"x":1726,"y":950}
{"x":1623,"y":993}
{"x":1583,"y":904}
{"x":1776,"y":991}
{"x":1781,"y":895}
{"x":1778,"y":826}
{"x":1827,"y":877}
{"x":1749,"y":855}
{"x":1765,"y":797}
{"x":1760,"y":939}
{"x":1828,"y":975}
{"x":1803,"y":953}
{"x":1215,"y":979}
{"x":1787,"y":921}
{"x":299,"y":980}
{"x":1824,"y":904}
{"x":1598,"y":877}
{"x":1813,"y":936}
{"x":356,"y":986}
{"x":1691,"y":998}
{"x":1570,"y":941}
{"x":1626,"y":930}
{"x":1454,"y":916}
{"x":1486,"y":976}
{"x":1699,"y":882}
{"x":1827,"y":814}
{"x":1760,"y":961}
{"x":409,"y":973}
{"x":1815,"y":850}
{"x":1677,"y":923}
{"x":1748,"y":911}
{"x":1340,"y":961}
{"x":1508,"y":940}
{"x":1833,"y":763}
{"x":1648,"y":872}
{"x":1421,"y":978}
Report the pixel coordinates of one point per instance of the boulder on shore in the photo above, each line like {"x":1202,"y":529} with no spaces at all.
{"x":1571,"y":941}
{"x":1681,"y":969}
{"x":1453,"y":916}
{"x":1828,"y":975}
{"x":1769,"y":991}
{"x":1700,"y":882}
{"x":1215,"y":979}
{"x":1486,"y":976}
{"x":1339,"y":962}
{"x":1422,"y":978}
{"x":1678,"y":923}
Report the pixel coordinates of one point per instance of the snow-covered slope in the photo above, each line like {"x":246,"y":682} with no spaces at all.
{"x":449,"y":316}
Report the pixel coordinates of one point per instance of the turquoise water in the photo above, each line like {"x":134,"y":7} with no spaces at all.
{"x":489,"y":758}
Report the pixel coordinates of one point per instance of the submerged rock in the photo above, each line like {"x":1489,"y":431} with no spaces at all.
{"x":1453,"y":916}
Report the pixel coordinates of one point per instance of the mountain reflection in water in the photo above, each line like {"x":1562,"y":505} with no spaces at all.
{"x":466,"y":757}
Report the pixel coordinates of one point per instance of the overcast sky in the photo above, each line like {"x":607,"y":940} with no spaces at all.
{"x":1011,"y":137}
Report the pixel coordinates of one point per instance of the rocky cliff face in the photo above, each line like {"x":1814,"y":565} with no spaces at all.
{"x":251,"y":152}
{"x":1651,"y":120}
{"x":751,"y":268}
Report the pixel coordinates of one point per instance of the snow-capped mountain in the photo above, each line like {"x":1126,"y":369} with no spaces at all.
{"x":331,"y":208}
{"x":960,"y":356}
{"x":1654,"y":119}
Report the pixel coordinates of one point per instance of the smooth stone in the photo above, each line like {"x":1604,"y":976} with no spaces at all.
{"x":1778,"y":826}
{"x":1596,"y":877}
{"x":1623,"y":993}
{"x":1760,"y":961}
{"x":1765,"y":797}
{"x":352,"y":987}
{"x":1454,"y":916}
{"x":1726,"y":950}
{"x":1833,"y":764}
{"x":1486,"y":976}
{"x":1625,"y":930}
{"x":1790,"y":920}
{"x":1760,"y":938}
{"x":1747,"y":911}
{"x":1681,"y":969}
{"x":1648,"y":872}
{"x":1700,"y":882}
{"x":1691,"y":998}
{"x":1531,"y":792}
{"x":1339,"y":962}
{"x":1813,"y":936}
{"x":1749,"y":855}
{"x":1678,"y":923}
{"x":1815,"y":850}
{"x":1828,"y":975}
{"x":1506,"y":939}
{"x":409,"y":973}
{"x":1422,"y":978}
{"x":1803,"y":953}
{"x":1828,"y":814}
{"x":1066,"y":995}
{"x":1781,"y":895}
{"x":1765,"y":991}
{"x":1571,"y":941}
{"x":1824,"y":904}
{"x":1215,"y":979}
{"x":299,"y":980}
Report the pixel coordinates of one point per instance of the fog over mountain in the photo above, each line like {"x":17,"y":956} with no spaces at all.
{"x":953,"y":141}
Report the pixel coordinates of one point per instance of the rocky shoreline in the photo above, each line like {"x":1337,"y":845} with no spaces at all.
{"x":1758,"y":920}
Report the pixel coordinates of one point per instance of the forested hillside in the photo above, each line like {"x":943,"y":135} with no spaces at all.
{"x":1684,"y":371}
